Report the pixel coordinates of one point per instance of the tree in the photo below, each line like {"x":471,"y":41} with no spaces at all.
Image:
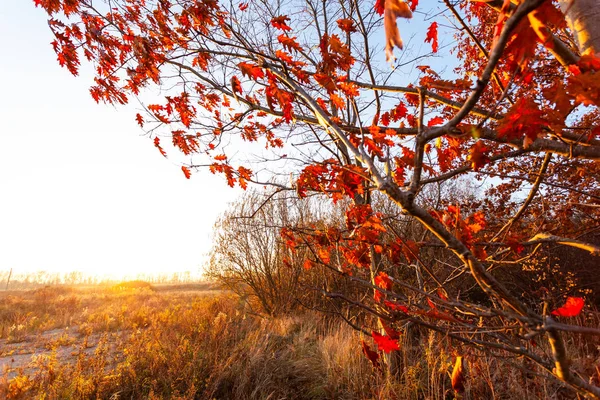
{"x":258,"y":90}
{"x":249,"y":257}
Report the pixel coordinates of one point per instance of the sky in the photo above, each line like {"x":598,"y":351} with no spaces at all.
{"x":81,"y":188}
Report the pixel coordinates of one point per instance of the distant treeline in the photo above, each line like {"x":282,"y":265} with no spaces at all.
{"x":31,"y":280}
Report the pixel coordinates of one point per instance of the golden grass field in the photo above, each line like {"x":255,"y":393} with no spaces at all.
{"x":194,"y":342}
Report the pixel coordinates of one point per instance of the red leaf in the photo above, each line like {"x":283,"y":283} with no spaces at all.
{"x":371,"y":355}
{"x":283,"y":56}
{"x":391,"y":332}
{"x":385,"y":119}
{"x":515,"y":245}
{"x":243,"y":6}
{"x":436,"y":314}
{"x":442,"y":294}
{"x":523,"y":119}
{"x":139,"y":119}
{"x":186,"y":171}
{"x":572,"y":307}
{"x":396,"y":307}
{"x":158,"y":146}
{"x":589,"y":62}
{"x":435,"y":121}
{"x":431,"y":304}
{"x":414,"y":4}
{"x":380,"y":6}
{"x":400,"y":111}
{"x":280,"y":23}
{"x":385,"y":343}
{"x":432,"y":36}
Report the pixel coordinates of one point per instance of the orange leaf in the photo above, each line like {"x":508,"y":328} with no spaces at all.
{"x":350,"y":89}
{"x":393,"y":10}
{"x":236,"y":86}
{"x":383,"y":281}
{"x":347,"y":25}
{"x":323,"y":105}
{"x":308,"y":264}
{"x":338,"y":101}
{"x":325,"y":81}
{"x":458,"y":375}
{"x":410,"y":250}
{"x":280,"y":23}
{"x":289,"y":43}
{"x":251,"y":70}
{"x":244,"y":174}
{"x":572,"y":307}
{"x":523,"y":119}
{"x":478,"y":156}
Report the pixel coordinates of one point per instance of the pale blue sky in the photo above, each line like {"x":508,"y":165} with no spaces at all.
{"x":80,"y":187}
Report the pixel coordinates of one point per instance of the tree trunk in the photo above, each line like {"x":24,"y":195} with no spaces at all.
{"x":583,"y":17}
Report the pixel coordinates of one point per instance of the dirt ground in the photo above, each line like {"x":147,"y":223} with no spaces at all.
{"x":64,"y":345}
{"x":26,"y":352}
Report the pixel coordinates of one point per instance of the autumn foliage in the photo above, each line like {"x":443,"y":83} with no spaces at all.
{"x":301,"y":99}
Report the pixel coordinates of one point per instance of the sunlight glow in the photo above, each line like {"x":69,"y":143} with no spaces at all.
{"x":82,"y":189}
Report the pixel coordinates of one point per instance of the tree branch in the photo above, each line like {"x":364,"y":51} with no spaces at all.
{"x":548,"y":238}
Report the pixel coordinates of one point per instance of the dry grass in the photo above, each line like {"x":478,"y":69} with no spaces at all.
{"x":195,"y":344}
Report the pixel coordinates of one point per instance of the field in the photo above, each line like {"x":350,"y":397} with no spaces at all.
{"x":195,"y":342}
{"x":181,"y":342}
